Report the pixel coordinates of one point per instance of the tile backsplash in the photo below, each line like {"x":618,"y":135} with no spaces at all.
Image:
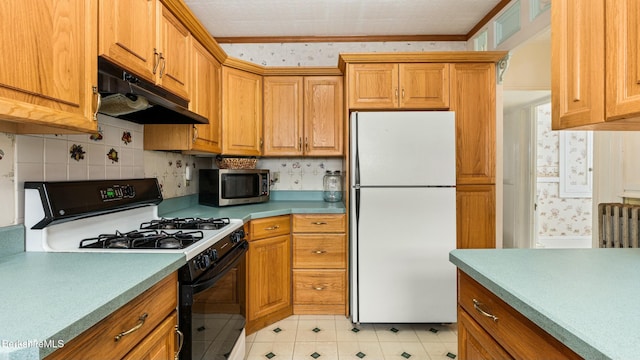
{"x":114,"y":152}
{"x":299,"y":173}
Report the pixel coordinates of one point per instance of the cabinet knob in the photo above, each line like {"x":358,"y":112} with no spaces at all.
{"x":318,"y":288}
{"x":319,"y":252}
{"x":274,"y":227}
{"x":98,"y":102}
{"x":319,"y":223}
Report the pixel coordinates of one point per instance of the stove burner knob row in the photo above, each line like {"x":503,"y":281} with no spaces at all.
{"x":204,"y":260}
{"x":237,"y":236}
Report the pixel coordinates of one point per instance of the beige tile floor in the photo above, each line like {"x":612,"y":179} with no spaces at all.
{"x":329,"y":337}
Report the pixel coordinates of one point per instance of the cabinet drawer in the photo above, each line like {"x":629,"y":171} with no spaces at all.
{"x":319,"y":287}
{"x":157,"y":303}
{"x":267,"y":227}
{"x":315,"y":223}
{"x":319,"y":251}
{"x":513,"y":331}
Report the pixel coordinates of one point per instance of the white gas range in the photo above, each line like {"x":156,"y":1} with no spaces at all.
{"x":122,"y":216}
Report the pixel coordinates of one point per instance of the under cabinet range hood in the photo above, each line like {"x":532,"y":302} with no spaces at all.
{"x":129,"y":97}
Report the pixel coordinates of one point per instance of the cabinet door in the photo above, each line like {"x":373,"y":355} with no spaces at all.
{"x":473,"y":89}
{"x":159,"y":344}
{"x":175,"y":57}
{"x":128,"y":35}
{"x":623,"y":56}
{"x":206,"y":98}
{"x":48,"y":66}
{"x":476,"y":221}
{"x":577,"y":63}
{"x":424,"y":86}
{"x":476,"y":344}
{"x":323,"y":116}
{"x":269,"y":276}
{"x":283,"y":103}
{"x":241,"y":112}
{"x":373,"y":86}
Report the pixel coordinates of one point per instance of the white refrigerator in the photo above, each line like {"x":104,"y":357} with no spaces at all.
{"x":402,"y":217}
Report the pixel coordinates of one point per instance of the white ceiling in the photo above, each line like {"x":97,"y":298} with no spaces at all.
{"x":285,"y":18}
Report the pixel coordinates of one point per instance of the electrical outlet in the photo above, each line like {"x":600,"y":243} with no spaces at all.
{"x":275,"y":177}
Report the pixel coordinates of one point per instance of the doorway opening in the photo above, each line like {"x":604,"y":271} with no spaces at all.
{"x":547,"y":181}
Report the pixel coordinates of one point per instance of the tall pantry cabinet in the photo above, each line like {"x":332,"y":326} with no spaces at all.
{"x":463,"y":82}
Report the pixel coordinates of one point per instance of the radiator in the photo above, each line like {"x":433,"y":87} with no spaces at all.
{"x":618,"y":225}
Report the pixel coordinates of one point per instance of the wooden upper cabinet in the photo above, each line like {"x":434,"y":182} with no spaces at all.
{"x":577,"y":52}
{"x":424,"y":86}
{"x":595,"y":65}
{"x":392,"y":86}
{"x":283,"y":115}
{"x":175,"y":51}
{"x":48,"y":67}
{"x":622,"y":59}
{"x":128,"y":31}
{"x":373,"y":86}
{"x":241,"y":112}
{"x":303,"y":116}
{"x":145,"y":38}
{"x":206,"y":84}
{"x":473,"y":89}
{"x":323,"y":116}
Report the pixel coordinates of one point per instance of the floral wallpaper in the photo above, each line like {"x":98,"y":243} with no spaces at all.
{"x":558,"y":216}
{"x":326,"y":54}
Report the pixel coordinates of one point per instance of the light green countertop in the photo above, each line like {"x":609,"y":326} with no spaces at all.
{"x":52,"y":297}
{"x":589,"y":299}
{"x":257,"y":211}
{"x":49,"y":298}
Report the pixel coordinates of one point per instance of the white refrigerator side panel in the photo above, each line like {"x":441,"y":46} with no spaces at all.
{"x":414,"y":148}
{"x":401,"y":253}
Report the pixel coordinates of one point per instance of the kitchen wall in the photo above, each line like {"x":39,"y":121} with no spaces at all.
{"x":326,"y":54}
{"x":114,"y":152}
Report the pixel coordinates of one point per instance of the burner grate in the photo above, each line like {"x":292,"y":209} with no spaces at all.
{"x":186,"y":223}
{"x":143,"y":239}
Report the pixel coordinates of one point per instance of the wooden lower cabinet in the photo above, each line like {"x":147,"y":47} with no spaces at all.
{"x":488,"y":328}
{"x":319,"y":264}
{"x":160,"y":344}
{"x":268,"y":272}
{"x":153,"y":313}
{"x":474,"y":343}
{"x":476,"y":219}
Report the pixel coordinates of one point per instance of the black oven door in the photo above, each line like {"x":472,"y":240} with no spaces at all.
{"x":212,"y":307}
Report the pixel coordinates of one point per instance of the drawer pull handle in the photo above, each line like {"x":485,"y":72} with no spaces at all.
{"x":319,"y":223}
{"x":141,"y":320}
{"x":180,"y":343}
{"x":319,"y":288}
{"x":476,"y":305}
{"x":275,"y":227}
{"x":319,"y":252}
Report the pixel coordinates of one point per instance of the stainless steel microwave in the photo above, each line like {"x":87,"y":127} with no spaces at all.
{"x":223,"y":187}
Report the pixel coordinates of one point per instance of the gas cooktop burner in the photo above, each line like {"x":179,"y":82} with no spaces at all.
{"x":186,"y":223}
{"x":145,"y":239}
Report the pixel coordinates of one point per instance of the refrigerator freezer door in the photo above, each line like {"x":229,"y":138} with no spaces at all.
{"x":414,"y":148}
{"x":401,"y":241}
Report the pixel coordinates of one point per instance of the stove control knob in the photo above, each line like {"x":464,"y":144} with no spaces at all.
{"x":202,"y":262}
{"x":237,"y":236}
{"x":213,"y":255}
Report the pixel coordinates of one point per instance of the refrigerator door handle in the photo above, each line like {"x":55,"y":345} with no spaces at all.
{"x":357,"y":152}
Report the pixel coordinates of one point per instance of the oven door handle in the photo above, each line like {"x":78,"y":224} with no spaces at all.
{"x":231,"y":260}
